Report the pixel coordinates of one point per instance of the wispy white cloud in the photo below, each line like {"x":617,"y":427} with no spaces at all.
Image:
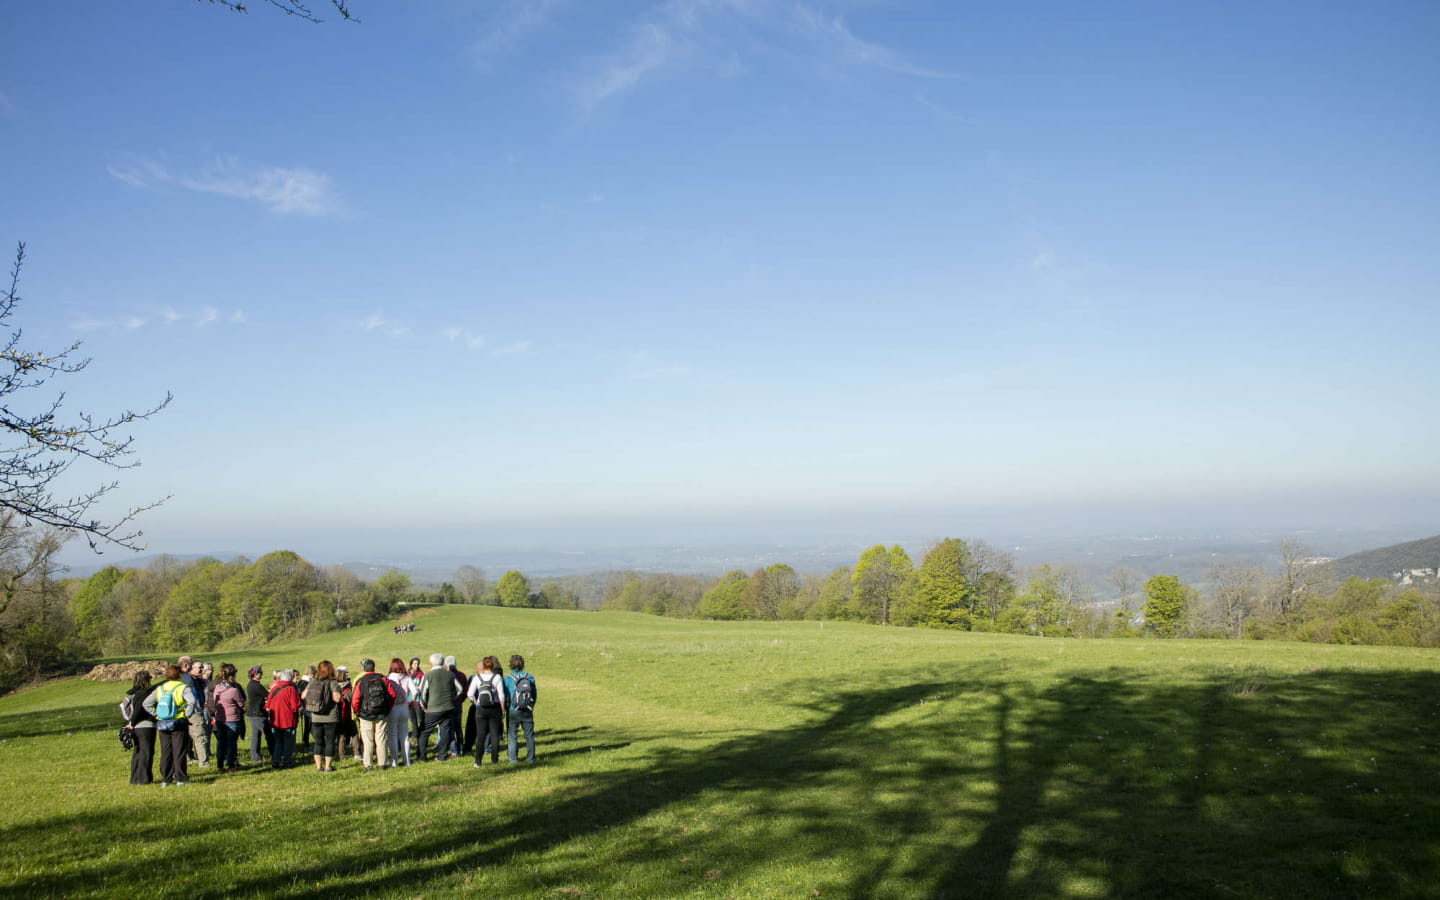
{"x":514,"y":349}
{"x":281,"y":190}
{"x":379,"y":323}
{"x":510,"y":23}
{"x":472,"y":341}
{"x":205,"y":315}
{"x":835,"y":39}
{"x":941,"y":110}
{"x":165,"y":315}
{"x":142,"y":174}
{"x":1063,"y":268}
{"x":466,"y":338}
{"x":718,"y":35}
{"x":644,"y":365}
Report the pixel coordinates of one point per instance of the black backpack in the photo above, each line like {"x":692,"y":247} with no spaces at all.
{"x":320,"y":696}
{"x":375,"y":700}
{"x":488,"y":698}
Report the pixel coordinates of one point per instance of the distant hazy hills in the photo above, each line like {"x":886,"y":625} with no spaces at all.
{"x":1410,"y":562}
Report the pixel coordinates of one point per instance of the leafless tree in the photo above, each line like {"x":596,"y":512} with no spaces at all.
{"x":39,"y":443}
{"x":992,"y":577}
{"x":1299,"y":576}
{"x":1125,"y":581}
{"x":1235,"y":590}
{"x":471,"y":582}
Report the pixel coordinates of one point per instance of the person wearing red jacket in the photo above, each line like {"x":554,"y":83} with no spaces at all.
{"x":371,"y":699}
{"x":282,"y":705}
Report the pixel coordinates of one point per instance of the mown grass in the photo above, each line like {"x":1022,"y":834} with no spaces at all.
{"x":696,"y":759}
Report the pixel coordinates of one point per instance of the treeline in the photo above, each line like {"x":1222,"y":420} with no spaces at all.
{"x":956,"y":585}
{"x":170,"y":606}
{"x":973,"y":586}
{"x":470,"y":586}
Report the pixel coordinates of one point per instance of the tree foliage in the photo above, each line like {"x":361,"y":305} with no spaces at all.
{"x":1165,"y":605}
{"x":944,"y":595}
{"x":723,"y":601}
{"x":176,"y":607}
{"x":514,"y":589}
{"x":881,"y":580}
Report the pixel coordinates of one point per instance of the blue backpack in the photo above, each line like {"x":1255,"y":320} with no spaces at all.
{"x":170,"y":705}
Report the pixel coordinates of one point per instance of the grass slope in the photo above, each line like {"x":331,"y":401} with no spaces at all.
{"x":698,"y":759}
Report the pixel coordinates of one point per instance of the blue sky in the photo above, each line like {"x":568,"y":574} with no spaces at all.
{"x":562,"y":272}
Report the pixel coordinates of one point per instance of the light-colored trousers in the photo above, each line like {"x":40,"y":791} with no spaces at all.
{"x":199,"y":740}
{"x":374,"y":741}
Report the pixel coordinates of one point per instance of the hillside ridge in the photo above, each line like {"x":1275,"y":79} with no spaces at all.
{"x":1411,"y":562}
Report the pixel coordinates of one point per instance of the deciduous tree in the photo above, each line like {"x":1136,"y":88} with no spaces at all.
{"x":514,"y":589}
{"x":944,"y":597}
{"x":1236,"y":590}
{"x":1165,"y":605}
{"x":880,"y":580}
{"x":1298,"y":579}
{"x":471,"y":582}
{"x":723,"y":600}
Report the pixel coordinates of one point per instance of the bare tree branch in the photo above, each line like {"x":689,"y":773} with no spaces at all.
{"x":292,"y":8}
{"x":38,"y":448}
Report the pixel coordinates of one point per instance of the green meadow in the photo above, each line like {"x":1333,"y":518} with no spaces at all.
{"x":791,"y":759}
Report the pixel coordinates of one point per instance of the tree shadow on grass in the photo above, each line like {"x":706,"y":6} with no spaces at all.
{"x":984,"y":786}
{"x":67,"y":720}
{"x":1319,"y":785}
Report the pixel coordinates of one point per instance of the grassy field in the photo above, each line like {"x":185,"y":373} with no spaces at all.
{"x":698,"y":759}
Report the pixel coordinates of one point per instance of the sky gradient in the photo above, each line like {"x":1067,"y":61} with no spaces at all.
{"x":477,"y":273}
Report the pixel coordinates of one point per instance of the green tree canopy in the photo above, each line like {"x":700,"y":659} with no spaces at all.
{"x":92,"y":625}
{"x":514,"y":589}
{"x":1165,"y":605}
{"x":944,"y":595}
{"x":880,"y":581}
{"x":723,"y":600}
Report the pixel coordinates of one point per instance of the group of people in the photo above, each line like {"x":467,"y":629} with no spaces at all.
{"x":405,"y":628}
{"x":384,"y":719}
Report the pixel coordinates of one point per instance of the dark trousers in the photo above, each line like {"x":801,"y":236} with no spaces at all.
{"x":282,"y":747}
{"x":227,"y":745}
{"x":326,"y":736}
{"x":417,"y":724}
{"x":174,"y":763}
{"x":487,"y":730}
{"x":349,"y":737}
{"x":258,"y":727}
{"x":142,"y":761}
{"x":443,"y":724}
{"x":469,"y":730}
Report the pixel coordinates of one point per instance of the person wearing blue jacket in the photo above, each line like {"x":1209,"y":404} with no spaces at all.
{"x":520,"y":691}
